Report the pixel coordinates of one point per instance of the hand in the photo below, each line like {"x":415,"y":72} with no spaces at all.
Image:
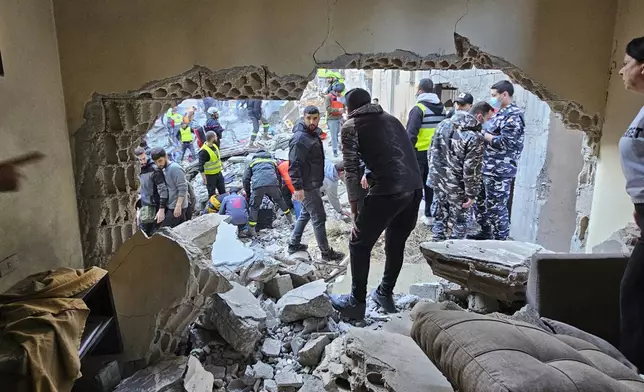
{"x":161,"y":215}
{"x":488,"y":137}
{"x":345,"y":213}
{"x":364,"y":182}
{"x":203,"y":177}
{"x":298,"y":195}
{"x":8,"y":178}
{"x":177,"y":211}
{"x":354,"y":229}
{"x":468,"y":203}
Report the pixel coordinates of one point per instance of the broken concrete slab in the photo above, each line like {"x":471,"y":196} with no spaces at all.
{"x":498,"y":269}
{"x":481,"y":303}
{"x":301,"y":273}
{"x":270,"y":386}
{"x":272,"y":347}
{"x":312,"y":384}
{"x":278,"y":286}
{"x":621,"y":241}
{"x":160,"y":285}
{"x":201,"y":231}
{"x":238,"y":317}
{"x":378,"y":361}
{"x":197,"y":379}
{"x":399,"y":323}
{"x":309,"y":300}
{"x":228,"y":252}
{"x":311,"y":353}
{"x":288,"y":379}
{"x":218,"y":372}
{"x":263,"y":370}
{"x":428,"y":290}
{"x":166,"y":375}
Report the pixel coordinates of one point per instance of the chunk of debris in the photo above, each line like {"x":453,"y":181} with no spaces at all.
{"x":238,"y":317}
{"x":271,"y":347}
{"x":288,"y":379}
{"x":621,"y":241}
{"x":312,"y":384}
{"x":228,"y":252}
{"x":270,"y":386}
{"x":263,"y":370}
{"x":498,"y":269}
{"x":166,"y":375}
{"x":278,"y":286}
{"x":429,"y":290}
{"x":301,"y":273}
{"x":481,"y":303}
{"x":197,"y":379}
{"x":309,"y":300}
{"x":311,"y":353}
{"x":313,"y":324}
{"x":218,"y":372}
{"x":201,"y":231}
{"x":160,"y":286}
{"x":296,"y":344}
{"x":109,"y":376}
{"x":377,"y":360}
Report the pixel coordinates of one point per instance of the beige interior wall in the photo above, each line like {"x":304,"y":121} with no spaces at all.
{"x":120,"y":45}
{"x":40,"y":222}
{"x":612,"y":208}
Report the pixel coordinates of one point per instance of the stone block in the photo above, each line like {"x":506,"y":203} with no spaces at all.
{"x":263,"y":370}
{"x":312,"y":384}
{"x":166,"y":375}
{"x":238,"y":317}
{"x":278,"y":286}
{"x":429,"y":290}
{"x":481,"y":303}
{"x":160,"y":286}
{"x":310,"y":354}
{"x":301,"y":273}
{"x":271,"y":347}
{"x":288,"y":379}
{"x":296,"y":344}
{"x":309,"y":300}
{"x":313,"y":324}
{"x":197,"y":379}
{"x":270,"y":386}
{"x":201,"y":231}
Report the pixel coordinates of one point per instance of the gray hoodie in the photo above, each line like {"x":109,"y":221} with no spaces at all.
{"x":631,"y":151}
{"x":175,"y":178}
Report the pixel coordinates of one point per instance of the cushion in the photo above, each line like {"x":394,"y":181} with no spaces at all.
{"x":479,"y":354}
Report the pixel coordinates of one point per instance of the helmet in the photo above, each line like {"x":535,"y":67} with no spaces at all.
{"x":212,"y":110}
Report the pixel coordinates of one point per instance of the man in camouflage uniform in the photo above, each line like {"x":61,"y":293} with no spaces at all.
{"x":504,"y":143}
{"x":456,"y":157}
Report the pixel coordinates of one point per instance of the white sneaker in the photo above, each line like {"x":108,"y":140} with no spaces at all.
{"x":427,"y":220}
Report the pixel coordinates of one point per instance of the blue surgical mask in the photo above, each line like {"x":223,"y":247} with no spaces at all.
{"x":495,"y":102}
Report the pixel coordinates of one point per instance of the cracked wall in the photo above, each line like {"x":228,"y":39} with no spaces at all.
{"x":114,"y":124}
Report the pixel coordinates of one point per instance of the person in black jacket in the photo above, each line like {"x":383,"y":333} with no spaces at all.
{"x":262,"y":178}
{"x":395,"y":192}
{"x":422,"y":121}
{"x":306,"y":169}
{"x":212,"y":124}
{"x":254,"y":108}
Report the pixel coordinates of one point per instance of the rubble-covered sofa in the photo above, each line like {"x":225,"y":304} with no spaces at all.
{"x":479,"y":353}
{"x":580,"y":289}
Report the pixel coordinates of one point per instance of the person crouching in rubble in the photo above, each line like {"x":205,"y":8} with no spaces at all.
{"x":395,"y":192}
{"x":175,"y":179}
{"x":235,"y":206}
{"x":306,"y":169}
{"x":210,"y":165}
{"x":263,"y":178}
{"x":455,"y":169}
{"x":153,"y":194}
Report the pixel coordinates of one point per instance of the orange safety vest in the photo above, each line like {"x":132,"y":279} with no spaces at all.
{"x":335,"y":104}
{"x":283,"y":169}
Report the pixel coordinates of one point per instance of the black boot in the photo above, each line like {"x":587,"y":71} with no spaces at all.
{"x":385,"y":301}
{"x":332,"y":255}
{"x":296,"y":248}
{"x":348,"y":306}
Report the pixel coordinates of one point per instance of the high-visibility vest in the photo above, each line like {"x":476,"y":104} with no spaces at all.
{"x":427,"y":127}
{"x":335,"y":103}
{"x":186,"y":134}
{"x":261,"y":160}
{"x":213,"y":166}
{"x":176,"y":119}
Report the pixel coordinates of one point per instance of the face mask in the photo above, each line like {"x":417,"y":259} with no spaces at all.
{"x":495,"y":102}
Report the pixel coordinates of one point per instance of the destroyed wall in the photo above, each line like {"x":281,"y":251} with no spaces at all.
{"x":612,"y":209}
{"x":40,"y":222}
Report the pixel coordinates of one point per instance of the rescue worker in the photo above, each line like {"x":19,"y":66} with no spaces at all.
{"x":210,"y":165}
{"x":306,"y":169}
{"x":186,"y":135}
{"x":173,"y":121}
{"x":333,"y":78}
{"x":175,"y":179}
{"x":153,"y":193}
{"x":214,"y":203}
{"x":463,"y":102}
{"x":235,"y":206}
{"x":212,"y":124}
{"x":254,"y":108}
{"x":455,"y":169}
{"x":395,"y":193}
{"x":334,"y":111}
{"x":263,"y":178}
{"x":288,"y":189}
{"x":422,"y":121}
{"x":504,"y":143}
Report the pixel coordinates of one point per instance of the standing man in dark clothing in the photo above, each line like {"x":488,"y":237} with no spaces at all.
{"x":504,"y":144}
{"x":254,"y":108}
{"x":212,"y":124}
{"x":395,"y":192}
{"x":262,"y":178}
{"x":210,"y":165}
{"x":153,"y":193}
{"x":175,"y":179}
{"x":422,"y":121}
{"x":306,"y":169}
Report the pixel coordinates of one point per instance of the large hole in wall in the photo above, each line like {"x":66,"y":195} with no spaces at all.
{"x":123,"y":119}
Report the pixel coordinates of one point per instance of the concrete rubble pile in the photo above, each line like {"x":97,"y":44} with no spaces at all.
{"x":496,"y":269}
{"x":621,"y":241}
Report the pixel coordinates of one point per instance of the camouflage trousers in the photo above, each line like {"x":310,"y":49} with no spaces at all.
{"x":448,"y":212}
{"x":492,"y":212}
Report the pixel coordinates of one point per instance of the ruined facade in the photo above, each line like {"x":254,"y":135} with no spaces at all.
{"x":105,"y":53}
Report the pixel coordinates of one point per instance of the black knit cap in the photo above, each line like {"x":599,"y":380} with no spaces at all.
{"x":356,"y":98}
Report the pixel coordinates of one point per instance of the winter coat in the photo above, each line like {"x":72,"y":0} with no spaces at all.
{"x":254,"y":107}
{"x":306,"y":158}
{"x":503,"y":152}
{"x":262,"y":171}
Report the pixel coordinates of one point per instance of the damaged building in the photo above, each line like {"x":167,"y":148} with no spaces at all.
{"x":83,"y":83}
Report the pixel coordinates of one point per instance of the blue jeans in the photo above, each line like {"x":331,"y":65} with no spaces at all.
{"x":334,"y":128}
{"x":297,"y":207}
